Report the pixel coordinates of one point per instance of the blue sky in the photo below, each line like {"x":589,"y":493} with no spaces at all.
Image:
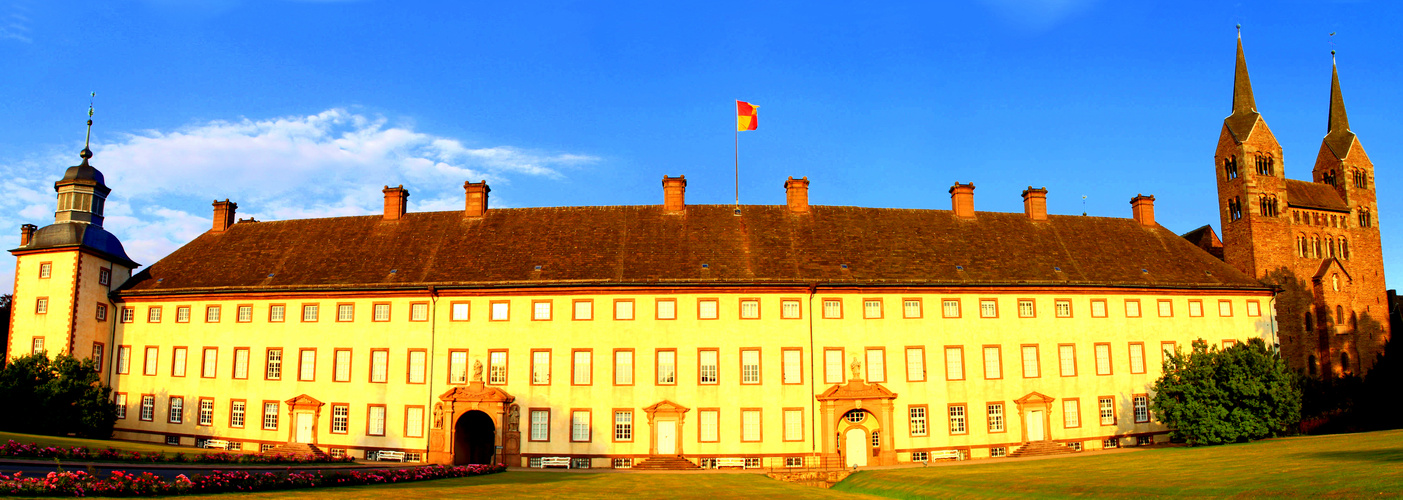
{"x":306,"y":109}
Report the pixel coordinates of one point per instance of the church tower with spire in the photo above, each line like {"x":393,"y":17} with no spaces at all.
{"x":65,"y":270}
{"x":1323,"y":232}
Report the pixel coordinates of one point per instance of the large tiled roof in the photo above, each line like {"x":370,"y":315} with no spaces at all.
{"x":1314,"y":195}
{"x":627,"y":245}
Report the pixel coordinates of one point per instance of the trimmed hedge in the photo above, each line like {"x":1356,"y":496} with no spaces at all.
{"x":14,"y":449}
{"x":122,"y":484}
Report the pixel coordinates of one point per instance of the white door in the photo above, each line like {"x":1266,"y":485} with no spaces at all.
{"x":304,"y":427}
{"x":855,"y":447}
{"x":667,"y":437}
{"x":1035,"y":426}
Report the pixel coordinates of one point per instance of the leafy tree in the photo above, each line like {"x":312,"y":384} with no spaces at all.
{"x":1216,"y":396}
{"x":6,"y":301}
{"x":58,"y":396}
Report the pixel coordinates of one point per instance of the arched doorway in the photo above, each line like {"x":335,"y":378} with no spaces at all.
{"x":861,"y":437}
{"x":474,"y":439}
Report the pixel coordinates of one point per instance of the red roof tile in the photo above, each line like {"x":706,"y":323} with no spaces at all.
{"x":1314,"y":195}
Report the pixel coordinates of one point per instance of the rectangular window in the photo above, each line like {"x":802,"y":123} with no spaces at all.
{"x":666,"y":366}
{"x":236,"y":414}
{"x":915,"y":364}
{"x":954,"y":363}
{"x":1141,"y":403}
{"x":1063,"y":308}
{"x":153,"y":315}
{"x":458,"y":367}
{"x":623,"y":367}
{"x":341,"y":371}
{"x":245,"y":314}
{"x":918,"y":421}
{"x":419,"y":311}
{"x":212,"y":314}
{"x":911,"y":308}
{"x":104,"y":276}
{"x":497,"y":367}
{"x":750,"y":366}
{"x":872,"y":308}
{"x":276,"y":313}
{"x":1103,"y":359}
{"x":379,"y":365}
{"x":988,"y":308}
{"x":1195,"y":308}
{"x":45,"y":270}
{"x":996,"y":417}
{"x":623,"y":425}
{"x":206,"y":413}
{"x":1166,"y":308}
{"x":832,"y":366}
{"x":417,"y":361}
{"x":1098,"y":308}
{"x":1027,"y":308}
{"x":340,"y":419}
{"x":375,"y":421}
{"x":832,"y":308}
{"x":270,"y":416}
{"x":1107,"y":406}
{"x":274,"y":367}
{"x":124,"y":355}
{"x":582,"y":371}
{"x":1254,"y":308}
{"x":1067,"y":359}
{"x":176,"y":414}
{"x":152,"y":353}
{"x":1132,"y":308}
{"x":121,"y":401}
{"x":1166,"y":349}
{"x":97,"y":355}
{"x":540,"y":367}
{"x":1229,"y":343}
{"x":179,"y":361}
{"x":540,"y":425}
{"x":309,"y":313}
{"x":957,"y":419}
{"x":579,"y":426}
{"x":241,"y":363}
{"x":708,"y":426}
{"x":666,"y":309}
{"x":541,"y":310}
{"x":501,"y":311}
{"x":793,"y":366}
{"x":1225,"y":308}
{"x":993,"y":362}
{"x":623,"y":310}
{"x":414,"y":421}
{"x":750,"y":425}
{"x":148,"y":408}
{"x":1071,"y":413}
{"x":793,"y":424}
{"x":1032,"y":366}
{"x":750,"y":309}
{"x":707,"y":369}
{"x":790,"y":309}
{"x":584,"y":310}
{"x":128,"y":313}
{"x":345,"y":312}
{"x":36,"y":345}
{"x":307,"y":365}
{"x":102,"y":312}
{"x":1137,"y":357}
{"x":950,"y":308}
{"x":41,"y":306}
{"x":706,"y":309}
{"x":381,"y":313}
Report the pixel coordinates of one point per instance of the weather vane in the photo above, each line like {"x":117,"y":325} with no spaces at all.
{"x":1332,"y":46}
{"x":88,"y":153}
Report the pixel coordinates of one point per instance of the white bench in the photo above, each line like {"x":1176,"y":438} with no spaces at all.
{"x":387,"y":455}
{"x":555,"y":462}
{"x":730,"y":462}
{"x":218,"y":444}
{"x":946,"y":454}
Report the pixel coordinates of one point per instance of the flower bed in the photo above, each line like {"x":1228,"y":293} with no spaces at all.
{"x":121,"y":484}
{"x":13,"y":449}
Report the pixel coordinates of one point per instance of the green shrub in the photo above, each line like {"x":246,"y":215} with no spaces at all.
{"x":1236,"y":394}
{"x":55,"y":397}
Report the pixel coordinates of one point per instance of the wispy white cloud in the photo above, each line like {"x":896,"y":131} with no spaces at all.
{"x":332,"y":163}
{"x":14,"y":25}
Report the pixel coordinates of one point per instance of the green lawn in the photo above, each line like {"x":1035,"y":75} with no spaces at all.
{"x":1345,"y":465}
{"x":96,"y":444}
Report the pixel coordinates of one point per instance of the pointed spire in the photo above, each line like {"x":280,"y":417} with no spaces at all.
{"x":1242,"y":101}
{"x":1338,"y":120}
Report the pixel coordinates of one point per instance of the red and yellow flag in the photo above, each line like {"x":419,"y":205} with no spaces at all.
{"x":746,"y":116}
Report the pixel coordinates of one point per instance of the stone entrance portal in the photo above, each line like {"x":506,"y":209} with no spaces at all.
{"x":474,"y":439}
{"x":487,"y":420}
{"x":855,"y":409}
{"x":666,"y":418}
{"x":303,"y":413}
{"x":1035,"y":411}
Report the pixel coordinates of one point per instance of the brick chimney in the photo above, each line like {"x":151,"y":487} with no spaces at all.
{"x":1142,"y":209}
{"x":796,"y":195}
{"x":224,"y":215}
{"x":1035,"y":203}
{"x":962,"y":200}
{"x":674,"y":193}
{"x":26,"y":234}
{"x":396,"y":202}
{"x":476,"y":198}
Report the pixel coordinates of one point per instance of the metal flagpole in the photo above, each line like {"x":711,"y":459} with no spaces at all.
{"x":737,"y":169}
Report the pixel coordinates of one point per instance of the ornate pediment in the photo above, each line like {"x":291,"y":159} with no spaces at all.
{"x":1036,"y":398}
{"x":856,"y":389}
{"x":304,"y":402}
{"x":477,"y":392}
{"x":666,"y":406}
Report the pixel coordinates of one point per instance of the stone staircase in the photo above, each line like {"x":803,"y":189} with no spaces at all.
{"x":1041,"y":448}
{"x":298,"y":449}
{"x":665,"y":463}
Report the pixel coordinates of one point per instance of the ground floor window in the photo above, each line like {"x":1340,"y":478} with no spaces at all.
{"x":920,"y":456}
{"x":998,"y":452}
{"x":623,"y":463}
{"x":1109,"y":443}
{"x":579,"y":463}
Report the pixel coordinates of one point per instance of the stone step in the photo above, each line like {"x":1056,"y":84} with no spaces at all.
{"x":297,"y":449}
{"x":1041,"y":448}
{"x":665,"y":463}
